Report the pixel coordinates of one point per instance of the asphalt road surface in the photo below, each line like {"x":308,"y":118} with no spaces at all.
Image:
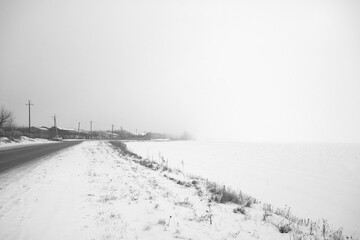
{"x":16,"y":156}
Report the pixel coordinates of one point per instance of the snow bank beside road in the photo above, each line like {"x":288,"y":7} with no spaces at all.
{"x":5,"y":142}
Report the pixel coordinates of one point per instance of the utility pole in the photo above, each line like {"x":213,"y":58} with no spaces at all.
{"x":56,"y":131}
{"x":91,"y":129}
{"x":29,"y":104}
{"x":112,"y":131}
{"x":78,"y":127}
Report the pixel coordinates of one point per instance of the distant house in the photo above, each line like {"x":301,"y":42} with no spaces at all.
{"x":108,"y":135}
{"x":41,"y":132}
{"x":65,"y":133}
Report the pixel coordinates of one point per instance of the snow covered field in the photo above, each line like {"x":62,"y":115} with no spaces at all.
{"x":90,"y":191}
{"x":315,"y":180}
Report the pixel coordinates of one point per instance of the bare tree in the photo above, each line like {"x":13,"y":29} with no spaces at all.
{"x":6,"y":117}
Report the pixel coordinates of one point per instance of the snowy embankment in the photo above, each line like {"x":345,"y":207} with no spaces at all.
{"x":95,"y":191}
{"x":5,"y":142}
{"x":318,"y":181}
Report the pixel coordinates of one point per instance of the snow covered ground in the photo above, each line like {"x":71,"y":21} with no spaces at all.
{"x":315,"y":180}
{"x":90,"y":191}
{"x":6,"y":143}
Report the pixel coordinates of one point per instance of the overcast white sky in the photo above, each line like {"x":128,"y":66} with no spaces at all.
{"x":245,"y":70}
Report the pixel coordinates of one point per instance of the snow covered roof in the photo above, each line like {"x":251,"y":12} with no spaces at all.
{"x":66,"y":129}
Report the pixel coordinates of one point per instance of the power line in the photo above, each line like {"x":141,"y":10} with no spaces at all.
{"x":5,"y":98}
{"x":13,"y":99}
{"x":10,"y":97}
{"x":39,"y":110}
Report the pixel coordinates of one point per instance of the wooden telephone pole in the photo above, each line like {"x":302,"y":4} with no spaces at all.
{"x":29,"y":104}
{"x":112,"y":131}
{"x":91,"y":129}
{"x":57,"y":135}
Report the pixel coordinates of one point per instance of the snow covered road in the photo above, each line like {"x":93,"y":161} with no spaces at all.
{"x":17,"y":155}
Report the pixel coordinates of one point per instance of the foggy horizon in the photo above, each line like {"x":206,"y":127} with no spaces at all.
{"x":220,"y":70}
